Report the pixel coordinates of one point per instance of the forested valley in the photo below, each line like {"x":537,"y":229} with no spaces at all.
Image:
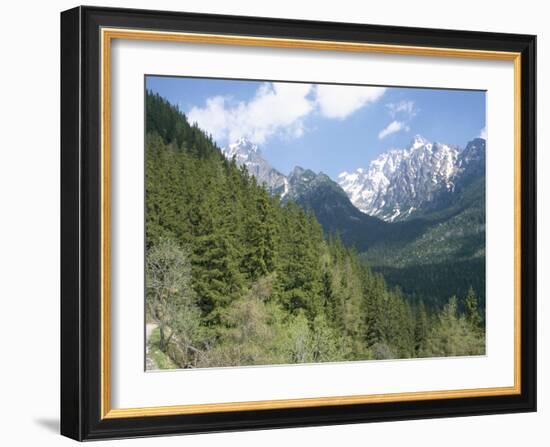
{"x":234,"y":277}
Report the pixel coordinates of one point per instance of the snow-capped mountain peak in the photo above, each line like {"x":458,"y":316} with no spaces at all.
{"x":249,"y":154}
{"x":418,"y":141}
{"x":395,"y":185}
{"x":399,"y":182}
{"x":242,"y":149}
{"x":300,"y":181}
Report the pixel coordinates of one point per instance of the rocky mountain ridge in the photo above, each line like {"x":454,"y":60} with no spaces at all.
{"x":399,"y":183}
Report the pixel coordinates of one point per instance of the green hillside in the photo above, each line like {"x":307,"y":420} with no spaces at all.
{"x":448,"y":257}
{"x":438,"y":253}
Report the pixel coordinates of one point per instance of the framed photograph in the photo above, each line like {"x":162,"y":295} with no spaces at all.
{"x":275,"y":223}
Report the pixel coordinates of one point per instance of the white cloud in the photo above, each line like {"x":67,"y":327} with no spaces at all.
{"x":276,"y":108}
{"x":483,"y":133}
{"x":406,"y":108}
{"x":279,"y":109}
{"x":340,"y":101}
{"x":213,"y":117}
{"x":393,"y":127}
{"x":405,"y":111}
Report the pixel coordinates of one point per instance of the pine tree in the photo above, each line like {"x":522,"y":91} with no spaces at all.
{"x":473,"y":315}
{"x":259,"y":237}
{"x":298,"y":264}
{"x":421,"y":328}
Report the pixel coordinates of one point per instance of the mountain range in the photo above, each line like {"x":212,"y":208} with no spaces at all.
{"x":400,"y":182}
{"x":413,"y":213}
{"x":315,"y":191}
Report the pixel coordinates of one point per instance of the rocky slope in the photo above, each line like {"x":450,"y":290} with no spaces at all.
{"x":400,"y":184}
{"x":248,"y":154}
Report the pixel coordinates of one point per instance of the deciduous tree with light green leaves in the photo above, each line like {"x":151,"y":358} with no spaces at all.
{"x":171,"y":301}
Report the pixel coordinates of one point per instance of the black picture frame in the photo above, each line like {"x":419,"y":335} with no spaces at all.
{"x":81,"y":223}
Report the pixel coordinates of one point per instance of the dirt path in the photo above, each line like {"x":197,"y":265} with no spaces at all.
{"x":149,"y":328}
{"x":149,"y":362}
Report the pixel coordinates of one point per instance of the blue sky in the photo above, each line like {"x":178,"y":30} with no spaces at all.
{"x":328,"y":128}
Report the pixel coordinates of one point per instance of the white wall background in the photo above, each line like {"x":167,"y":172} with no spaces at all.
{"x":29,"y":223}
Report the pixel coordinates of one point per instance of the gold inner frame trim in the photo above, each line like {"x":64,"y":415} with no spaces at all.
{"x":107,"y":35}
